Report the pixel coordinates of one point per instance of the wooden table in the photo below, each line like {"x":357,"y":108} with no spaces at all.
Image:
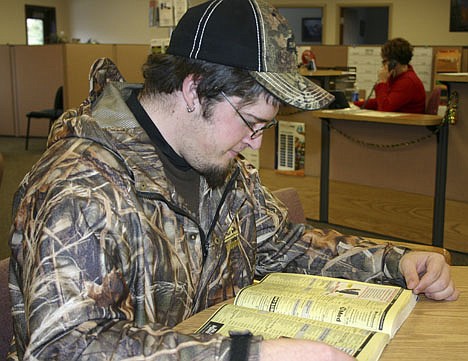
{"x":452,"y":77}
{"x":434,"y":330}
{"x":373,"y":116}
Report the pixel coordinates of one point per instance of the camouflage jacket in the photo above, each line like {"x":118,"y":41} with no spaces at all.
{"x":106,"y":257}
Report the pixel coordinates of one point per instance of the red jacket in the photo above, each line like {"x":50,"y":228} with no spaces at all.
{"x":405,"y":93}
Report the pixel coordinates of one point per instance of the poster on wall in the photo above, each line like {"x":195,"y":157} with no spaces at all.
{"x":153,"y":13}
{"x":459,"y":15}
{"x":312,"y":30}
{"x":166,"y":13}
{"x":180,"y":8}
{"x":291,"y":148}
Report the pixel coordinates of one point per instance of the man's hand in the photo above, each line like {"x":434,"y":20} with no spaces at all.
{"x":428,"y":273}
{"x":286,"y":349}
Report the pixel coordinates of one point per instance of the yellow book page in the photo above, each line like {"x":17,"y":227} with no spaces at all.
{"x":359,"y":304}
{"x":363,"y":344}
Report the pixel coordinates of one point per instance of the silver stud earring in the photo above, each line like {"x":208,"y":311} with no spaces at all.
{"x":190,"y":109}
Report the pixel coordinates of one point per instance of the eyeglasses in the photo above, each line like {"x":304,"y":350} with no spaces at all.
{"x":255,"y":132}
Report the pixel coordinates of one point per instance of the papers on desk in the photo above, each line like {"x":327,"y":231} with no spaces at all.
{"x":357,"y":111}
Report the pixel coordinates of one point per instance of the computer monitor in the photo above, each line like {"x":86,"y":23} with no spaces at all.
{"x":340,"y":101}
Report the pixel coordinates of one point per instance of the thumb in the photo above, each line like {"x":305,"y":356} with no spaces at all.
{"x":410,"y":273}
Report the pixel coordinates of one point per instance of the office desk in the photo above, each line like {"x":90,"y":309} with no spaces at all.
{"x":452,"y":77}
{"x":433,"y":331}
{"x":373,"y":116}
{"x":324,"y":76}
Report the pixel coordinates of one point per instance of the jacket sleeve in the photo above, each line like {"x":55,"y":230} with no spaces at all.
{"x":72,"y":285}
{"x":300,"y":248}
{"x":370,"y":104}
{"x":391,"y":99}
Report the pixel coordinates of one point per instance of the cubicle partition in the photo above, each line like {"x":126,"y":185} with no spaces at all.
{"x":31,"y":75}
{"x":7,"y":120}
{"x":37,"y":73}
{"x":79,"y":57}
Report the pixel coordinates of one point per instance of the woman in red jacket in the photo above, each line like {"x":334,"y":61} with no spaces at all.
{"x":398,"y":88}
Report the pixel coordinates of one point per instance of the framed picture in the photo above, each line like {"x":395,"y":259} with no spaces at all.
{"x":458,"y":15}
{"x":312,"y":30}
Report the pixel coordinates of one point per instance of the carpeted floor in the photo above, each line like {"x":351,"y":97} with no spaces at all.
{"x":18,"y":161}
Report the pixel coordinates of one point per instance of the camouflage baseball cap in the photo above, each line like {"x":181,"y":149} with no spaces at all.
{"x":252,"y":35}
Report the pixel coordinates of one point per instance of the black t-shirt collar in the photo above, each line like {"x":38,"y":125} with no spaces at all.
{"x":153,"y":132}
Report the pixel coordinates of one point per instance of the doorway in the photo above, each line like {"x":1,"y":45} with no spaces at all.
{"x":41,"y":26}
{"x":364,"y":25}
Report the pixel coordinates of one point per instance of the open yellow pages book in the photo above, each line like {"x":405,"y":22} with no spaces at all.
{"x":362,"y":344}
{"x":356,"y":317}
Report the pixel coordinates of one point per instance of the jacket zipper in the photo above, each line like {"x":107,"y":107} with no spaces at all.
{"x":157,"y":196}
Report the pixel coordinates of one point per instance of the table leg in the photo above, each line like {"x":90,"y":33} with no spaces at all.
{"x":440,"y":186}
{"x":325,"y":171}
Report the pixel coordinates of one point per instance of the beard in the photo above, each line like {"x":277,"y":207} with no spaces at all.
{"x":216,"y":176}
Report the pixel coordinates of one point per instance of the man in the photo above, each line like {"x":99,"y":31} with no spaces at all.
{"x":398,"y":88}
{"x":141,"y":213}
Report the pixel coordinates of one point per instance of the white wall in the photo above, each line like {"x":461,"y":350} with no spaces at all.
{"x":422,"y":22}
{"x":113,"y":21}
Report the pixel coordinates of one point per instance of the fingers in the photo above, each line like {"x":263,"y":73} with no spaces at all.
{"x":382,"y":74}
{"x":428,"y":273}
{"x":449,"y":293}
{"x":438,"y":285}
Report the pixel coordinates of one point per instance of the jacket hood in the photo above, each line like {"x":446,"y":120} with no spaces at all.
{"x":95,"y":120}
{"x":108,"y":124}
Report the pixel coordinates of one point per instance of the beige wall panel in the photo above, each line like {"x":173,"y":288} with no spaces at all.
{"x":38,"y":72}
{"x":407,"y":168}
{"x":7,"y":120}
{"x":129,"y":59}
{"x":457,"y":172}
{"x":267,"y":150}
{"x":330,"y":55}
{"x":78,"y":59}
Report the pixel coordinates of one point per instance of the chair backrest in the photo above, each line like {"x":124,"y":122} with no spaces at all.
{"x":433,"y":101}
{"x":58,"y":102}
{"x":290,"y":197}
{"x":6,"y":320}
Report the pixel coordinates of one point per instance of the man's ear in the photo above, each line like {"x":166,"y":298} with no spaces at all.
{"x":189,"y":91}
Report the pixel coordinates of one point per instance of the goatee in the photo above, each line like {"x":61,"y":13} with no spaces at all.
{"x":216,"y":176}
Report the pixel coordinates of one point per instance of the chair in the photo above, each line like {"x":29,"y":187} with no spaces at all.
{"x":6,"y":320}
{"x":290,"y":197}
{"x":433,"y":101}
{"x":51,"y":114}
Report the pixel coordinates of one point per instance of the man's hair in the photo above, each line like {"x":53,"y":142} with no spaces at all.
{"x":397,"y":49}
{"x":165,"y":74}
